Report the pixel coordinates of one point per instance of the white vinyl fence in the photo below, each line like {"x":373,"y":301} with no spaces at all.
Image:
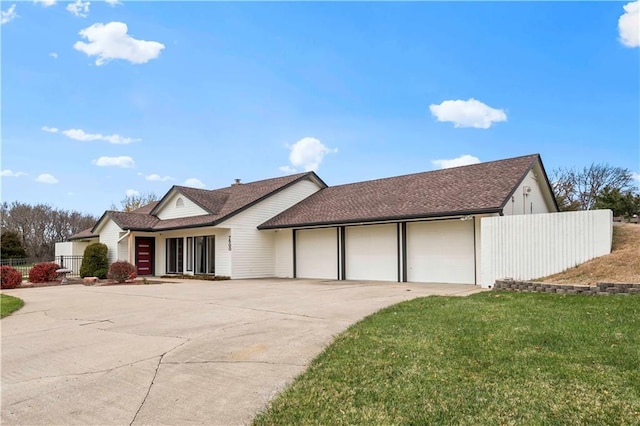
{"x":525,"y":247}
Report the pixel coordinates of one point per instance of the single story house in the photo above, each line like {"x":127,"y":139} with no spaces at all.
{"x":422,"y":227}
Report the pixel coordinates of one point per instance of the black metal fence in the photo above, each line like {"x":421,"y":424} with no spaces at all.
{"x":24,"y":265}
{"x":70,"y":262}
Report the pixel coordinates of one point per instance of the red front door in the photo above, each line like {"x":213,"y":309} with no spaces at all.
{"x":144,"y":255}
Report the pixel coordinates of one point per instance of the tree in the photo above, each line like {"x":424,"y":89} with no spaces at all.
{"x":12,"y":247}
{"x":621,"y":203}
{"x":577,"y":189}
{"x":132,"y":202}
{"x":40,"y":226}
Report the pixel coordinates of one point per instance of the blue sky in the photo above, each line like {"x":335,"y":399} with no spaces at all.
{"x":102,"y":98}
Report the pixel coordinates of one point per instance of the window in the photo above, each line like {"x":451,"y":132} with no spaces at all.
{"x":179,"y":203}
{"x":174,"y":255}
{"x":204,"y":255}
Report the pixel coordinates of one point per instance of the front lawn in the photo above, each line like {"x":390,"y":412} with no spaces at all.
{"x":491,"y":358}
{"x":9,"y":304}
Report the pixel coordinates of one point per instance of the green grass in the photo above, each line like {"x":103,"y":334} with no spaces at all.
{"x":491,"y":358}
{"x":9,"y":304}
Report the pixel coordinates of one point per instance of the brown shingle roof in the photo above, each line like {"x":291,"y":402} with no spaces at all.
{"x":220,"y":203}
{"x":470,"y":189}
{"x":86,"y":233}
{"x":146,"y":209}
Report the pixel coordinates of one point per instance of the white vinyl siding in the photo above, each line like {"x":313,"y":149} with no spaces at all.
{"x":252,"y":251}
{"x":441,"y":252}
{"x":317,"y":253}
{"x":72,"y":248}
{"x":169,"y":210}
{"x":372,"y":252}
{"x":109,"y":235}
{"x":283,"y":246}
{"x":529,"y":197}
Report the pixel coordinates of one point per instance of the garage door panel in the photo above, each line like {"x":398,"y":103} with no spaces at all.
{"x":317,"y":253}
{"x":371,"y":252}
{"x":441,"y":251}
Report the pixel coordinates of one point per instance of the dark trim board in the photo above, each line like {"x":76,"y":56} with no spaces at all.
{"x":342,"y":249}
{"x":403,"y":232}
{"x":295,"y":267}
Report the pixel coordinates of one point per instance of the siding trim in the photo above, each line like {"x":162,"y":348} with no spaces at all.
{"x":342,"y":252}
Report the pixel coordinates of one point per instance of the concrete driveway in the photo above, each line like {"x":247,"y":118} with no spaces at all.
{"x":178,"y":353}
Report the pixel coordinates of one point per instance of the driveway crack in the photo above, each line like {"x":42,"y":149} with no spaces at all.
{"x":155,"y":374}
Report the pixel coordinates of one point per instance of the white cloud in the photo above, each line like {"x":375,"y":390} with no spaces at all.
{"x":287,"y":169}
{"x":629,"y":24}
{"x":45,"y":3}
{"x":81,"y":135}
{"x":194,"y":183}
{"x":54,"y":55}
{"x":49,"y":129}
{"x":159,"y":178}
{"x":132,"y":193}
{"x":463,"y":160}
{"x":635,"y":176}
{"x":123,"y":161}
{"x":11,"y":173}
{"x":469,"y":113}
{"x":46,"y":178}
{"x":111,"y":41}
{"x":8,"y":15}
{"x":79,"y":8}
{"x":307,"y":153}
{"x":112,"y":2}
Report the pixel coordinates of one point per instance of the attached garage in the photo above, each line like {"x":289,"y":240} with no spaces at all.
{"x":441,"y":252}
{"x":371,"y":252}
{"x":316,"y":253}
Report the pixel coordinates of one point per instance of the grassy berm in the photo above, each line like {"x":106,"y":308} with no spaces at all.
{"x":621,"y":266}
{"x":488,"y":359}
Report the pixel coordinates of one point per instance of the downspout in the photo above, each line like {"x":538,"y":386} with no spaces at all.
{"x":128,"y":242}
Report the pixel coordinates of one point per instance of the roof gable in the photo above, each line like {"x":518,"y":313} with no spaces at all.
{"x":215,"y":205}
{"x":473,"y":189}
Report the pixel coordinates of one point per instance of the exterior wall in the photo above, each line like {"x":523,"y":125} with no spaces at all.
{"x":72,"y":248}
{"x":534,"y":246}
{"x":253,"y":254}
{"x":109,"y":235}
{"x":525,"y":202}
{"x":170,"y":211}
{"x":283,"y":247}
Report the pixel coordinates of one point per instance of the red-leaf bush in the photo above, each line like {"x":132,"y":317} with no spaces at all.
{"x":121,"y":271}
{"x":10,"y":277}
{"x":43,"y":272}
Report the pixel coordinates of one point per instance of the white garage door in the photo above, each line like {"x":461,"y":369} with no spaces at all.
{"x":317,"y":253}
{"x":371,"y":252}
{"x":440,"y":252}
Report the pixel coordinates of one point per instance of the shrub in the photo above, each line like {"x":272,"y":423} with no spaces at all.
{"x":9,"y":277}
{"x":94,"y":261}
{"x":121,"y":271}
{"x":43,"y":272}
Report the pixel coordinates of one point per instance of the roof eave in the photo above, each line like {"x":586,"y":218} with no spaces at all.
{"x":384,"y":219}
